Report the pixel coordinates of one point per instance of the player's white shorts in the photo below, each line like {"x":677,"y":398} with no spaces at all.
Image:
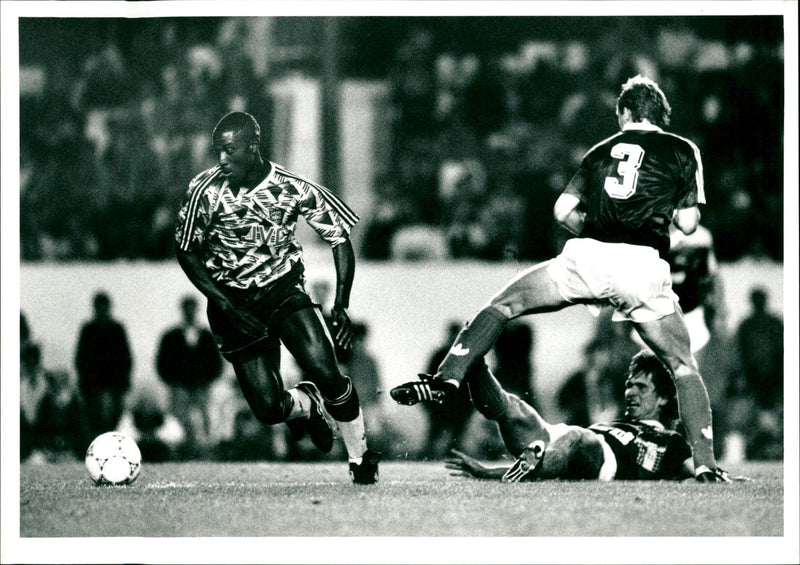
{"x":632,"y":278}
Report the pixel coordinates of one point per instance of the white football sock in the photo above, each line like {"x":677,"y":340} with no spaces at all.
{"x":354,"y":437}
{"x":302,"y":404}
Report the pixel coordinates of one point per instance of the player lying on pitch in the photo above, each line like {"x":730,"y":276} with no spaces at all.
{"x":639,"y":446}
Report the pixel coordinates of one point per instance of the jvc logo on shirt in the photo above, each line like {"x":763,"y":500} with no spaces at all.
{"x":257,"y":234}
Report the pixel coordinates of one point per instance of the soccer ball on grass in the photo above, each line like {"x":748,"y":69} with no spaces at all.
{"x":113,"y":458}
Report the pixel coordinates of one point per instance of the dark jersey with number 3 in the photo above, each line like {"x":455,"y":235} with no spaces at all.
{"x":631,"y":183}
{"x":645,"y":450}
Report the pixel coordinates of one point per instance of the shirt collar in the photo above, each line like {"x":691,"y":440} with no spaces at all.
{"x":270,"y":173}
{"x":264,"y":182}
{"x":641,"y":126}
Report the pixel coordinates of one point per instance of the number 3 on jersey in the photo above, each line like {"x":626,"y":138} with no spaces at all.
{"x":629,"y":158}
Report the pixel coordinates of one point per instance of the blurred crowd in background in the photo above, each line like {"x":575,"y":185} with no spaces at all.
{"x":204,"y":415}
{"x":490,"y":117}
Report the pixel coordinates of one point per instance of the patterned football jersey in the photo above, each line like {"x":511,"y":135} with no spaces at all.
{"x":645,"y":450}
{"x":632,"y":182}
{"x":248,"y":239}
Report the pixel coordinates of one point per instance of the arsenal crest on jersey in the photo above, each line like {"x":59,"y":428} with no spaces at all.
{"x":276,"y":215}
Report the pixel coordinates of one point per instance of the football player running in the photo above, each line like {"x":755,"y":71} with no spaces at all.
{"x":639,"y":446}
{"x":619,"y":204}
{"x":236,"y":243}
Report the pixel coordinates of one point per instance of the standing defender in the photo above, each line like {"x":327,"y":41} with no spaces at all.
{"x":236,"y":243}
{"x":620,"y":204}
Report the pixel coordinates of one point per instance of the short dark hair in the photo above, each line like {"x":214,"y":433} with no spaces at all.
{"x":646,"y":362}
{"x":645,"y":100}
{"x":238,"y":122}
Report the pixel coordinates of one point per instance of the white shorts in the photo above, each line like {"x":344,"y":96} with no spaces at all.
{"x":631,"y":278}
{"x":609,"y":469}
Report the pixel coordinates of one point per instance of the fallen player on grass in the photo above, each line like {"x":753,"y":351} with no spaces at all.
{"x":639,"y":446}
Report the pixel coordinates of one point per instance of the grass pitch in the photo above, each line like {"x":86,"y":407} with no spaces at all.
{"x":246,"y":500}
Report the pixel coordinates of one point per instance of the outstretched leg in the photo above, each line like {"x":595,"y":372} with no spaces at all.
{"x":531,"y":292}
{"x":669,"y":340}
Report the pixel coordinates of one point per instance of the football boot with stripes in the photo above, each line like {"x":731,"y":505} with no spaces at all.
{"x":527,"y":464}
{"x":316,"y":425}
{"x":427,"y":389}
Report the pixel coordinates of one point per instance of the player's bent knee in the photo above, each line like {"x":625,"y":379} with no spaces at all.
{"x":502,"y":309}
{"x":331,"y":384}
{"x":271,"y":413}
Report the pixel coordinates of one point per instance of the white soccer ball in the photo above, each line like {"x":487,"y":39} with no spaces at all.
{"x":113,"y":458}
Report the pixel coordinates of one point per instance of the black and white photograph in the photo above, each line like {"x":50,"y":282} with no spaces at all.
{"x":399,"y":282}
